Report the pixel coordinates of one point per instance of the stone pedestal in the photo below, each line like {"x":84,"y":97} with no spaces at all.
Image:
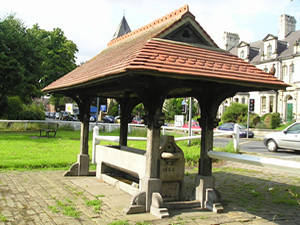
{"x":150,"y":185}
{"x":202,"y":183}
{"x":83,"y":164}
{"x":80,"y":168}
{"x":207,"y":195}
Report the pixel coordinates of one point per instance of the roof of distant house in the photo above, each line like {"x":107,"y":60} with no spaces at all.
{"x":285,"y":48}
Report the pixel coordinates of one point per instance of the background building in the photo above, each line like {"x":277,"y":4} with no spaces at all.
{"x":278,"y":55}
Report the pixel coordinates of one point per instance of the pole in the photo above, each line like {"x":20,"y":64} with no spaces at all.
{"x":248,"y":118}
{"x":190,"y":120}
{"x":97,"y":110}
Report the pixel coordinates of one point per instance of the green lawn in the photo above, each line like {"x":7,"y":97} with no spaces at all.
{"x":26,"y":150}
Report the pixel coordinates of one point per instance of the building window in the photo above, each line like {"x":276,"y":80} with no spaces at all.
{"x":285,"y":77}
{"x":291,"y":71}
{"x":236,"y":100}
{"x":297,"y":47}
{"x":242,"y":54}
{"x":271,"y":105}
{"x":269,"y":51}
{"x":263,"y":104}
{"x":243,"y":101}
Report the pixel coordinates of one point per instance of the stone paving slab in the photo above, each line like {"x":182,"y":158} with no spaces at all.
{"x":35,"y":198}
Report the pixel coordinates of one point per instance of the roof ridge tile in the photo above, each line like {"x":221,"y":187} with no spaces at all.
{"x":177,"y":13}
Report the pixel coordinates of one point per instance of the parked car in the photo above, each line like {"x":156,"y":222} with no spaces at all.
{"x":108,"y":119}
{"x":93,"y":117}
{"x":117,"y":119}
{"x":52,"y":115}
{"x":230,"y":127}
{"x":137,"y":120}
{"x":195,"y":125}
{"x":289,"y":138}
{"x":66,"y":116}
{"x":57,"y":115}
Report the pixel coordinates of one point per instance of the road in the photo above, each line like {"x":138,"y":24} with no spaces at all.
{"x":257,"y":146}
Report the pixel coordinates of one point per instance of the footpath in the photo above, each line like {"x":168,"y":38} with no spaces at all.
{"x":46,"y":197}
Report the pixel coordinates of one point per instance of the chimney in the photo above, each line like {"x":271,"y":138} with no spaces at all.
{"x":230,"y":40}
{"x":287,"y":24}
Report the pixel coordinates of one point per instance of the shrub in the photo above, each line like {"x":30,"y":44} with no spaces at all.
{"x":235,"y":113}
{"x":17,"y":110}
{"x":260,"y":125}
{"x":13,"y":108}
{"x":33,"y":111}
{"x":272,"y":120}
{"x":254,"y":120}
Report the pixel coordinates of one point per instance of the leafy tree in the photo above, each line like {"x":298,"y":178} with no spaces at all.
{"x":59,"y":101}
{"x":30,"y":59}
{"x":56,"y":52}
{"x":139,"y":110}
{"x":236,"y":112}
{"x":15,"y":57}
{"x":113,"y":108}
{"x":173,"y":107}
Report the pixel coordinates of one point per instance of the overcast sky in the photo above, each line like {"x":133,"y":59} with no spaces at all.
{"x":90,"y":24}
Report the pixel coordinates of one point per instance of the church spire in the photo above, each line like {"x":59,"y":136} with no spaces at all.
{"x":122,"y":29}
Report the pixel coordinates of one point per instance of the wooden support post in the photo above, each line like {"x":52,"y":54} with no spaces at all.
{"x":81,"y":167}
{"x":126,"y":106}
{"x":208,"y":122}
{"x":205,"y":163}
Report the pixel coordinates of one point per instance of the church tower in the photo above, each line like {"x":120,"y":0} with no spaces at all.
{"x":122,"y":29}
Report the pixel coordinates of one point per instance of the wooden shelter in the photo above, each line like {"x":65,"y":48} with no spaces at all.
{"x":171,"y":57}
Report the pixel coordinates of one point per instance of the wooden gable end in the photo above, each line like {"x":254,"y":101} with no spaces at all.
{"x":188,"y":34}
{"x":188,"y":31}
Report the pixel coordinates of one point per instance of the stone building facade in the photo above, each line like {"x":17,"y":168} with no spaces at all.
{"x":278,"y":55}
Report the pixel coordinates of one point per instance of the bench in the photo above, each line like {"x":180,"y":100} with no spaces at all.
{"x":49,"y":128}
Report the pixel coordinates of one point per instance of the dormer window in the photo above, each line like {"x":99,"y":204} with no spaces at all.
{"x":242,"y":54}
{"x":269,"y":51}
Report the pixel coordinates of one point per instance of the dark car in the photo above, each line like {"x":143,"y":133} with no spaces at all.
{"x":66,"y":116}
{"x":230,"y":126}
{"x":108,"y":119}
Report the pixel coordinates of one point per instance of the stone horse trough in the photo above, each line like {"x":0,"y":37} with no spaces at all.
{"x":125,"y":168}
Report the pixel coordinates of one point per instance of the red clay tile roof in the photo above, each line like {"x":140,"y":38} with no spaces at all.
{"x":140,"y":50}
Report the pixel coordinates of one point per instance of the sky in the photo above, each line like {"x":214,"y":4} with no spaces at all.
{"x":90,"y":24}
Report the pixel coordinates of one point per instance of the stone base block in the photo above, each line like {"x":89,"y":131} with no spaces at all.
{"x":81,"y":167}
{"x":150,"y":185}
{"x":207,"y":195}
{"x":157,"y":206}
{"x":83,"y":164}
{"x":202,"y":183}
{"x":135,"y":209}
{"x":159,"y":212}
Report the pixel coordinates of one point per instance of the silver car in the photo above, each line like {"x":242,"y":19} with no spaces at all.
{"x":289,"y":138}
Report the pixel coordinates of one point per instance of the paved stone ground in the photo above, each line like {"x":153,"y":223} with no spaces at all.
{"x":44,"y":197}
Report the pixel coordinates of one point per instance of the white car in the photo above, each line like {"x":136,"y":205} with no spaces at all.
{"x":289,"y":138}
